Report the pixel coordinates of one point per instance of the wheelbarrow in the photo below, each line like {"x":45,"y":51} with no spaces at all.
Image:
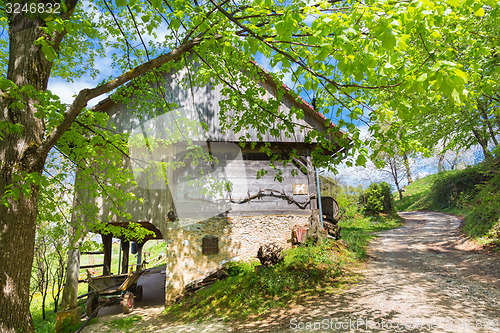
{"x":113,"y":290}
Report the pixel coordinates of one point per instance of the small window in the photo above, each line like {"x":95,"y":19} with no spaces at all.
{"x":210,"y":245}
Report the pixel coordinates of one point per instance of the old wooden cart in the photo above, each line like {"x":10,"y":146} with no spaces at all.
{"x":113,"y":290}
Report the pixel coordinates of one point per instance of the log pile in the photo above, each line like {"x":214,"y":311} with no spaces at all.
{"x":332,"y":228}
{"x":270,"y":254}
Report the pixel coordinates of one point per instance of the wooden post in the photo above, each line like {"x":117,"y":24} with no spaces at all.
{"x":311,"y":179}
{"x":69,"y":310}
{"x":316,"y":234}
{"x":125,"y":250}
{"x":107,"y":242}
{"x":168,"y":175}
{"x":139,"y":256}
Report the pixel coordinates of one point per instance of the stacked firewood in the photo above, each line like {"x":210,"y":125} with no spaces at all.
{"x":270,"y":254}
{"x":332,"y":228}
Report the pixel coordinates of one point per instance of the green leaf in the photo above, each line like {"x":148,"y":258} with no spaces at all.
{"x":326,"y":50}
{"x":455,"y":96}
{"x":121,"y":3}
{"x":252,"y":43}
{"x":361,"y":160}
{"x":281,"y":27}
{"x":479,"y":12}
{"x":454,"y":3}
{"x":422,"y":77}
{"x":49,"y":52}
{"x":388,"y":39}
{"x":174,"y":24}
{"x":369,"y":61}
{"x":345,"y":68}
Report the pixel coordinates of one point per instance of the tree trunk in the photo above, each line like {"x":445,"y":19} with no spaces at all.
{"x":315,"y":233}
{"x":17,"y":235}
{"x":24,"y":152}
{"x":487,"y":122}
{"x":407,"y":167}
{"x":107,"y":241}
{"x":441,"y":160}
{"x":393,"y":164}
{"x":399,"y":189}
{"x":70,"y":291}
{"x":484,"y":145}
{"x":78,"y":231}
{"x":125,"y":252}
{"x":27,"y":66}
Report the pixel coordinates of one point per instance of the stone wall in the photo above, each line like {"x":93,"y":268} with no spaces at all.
{"x":239,"y":239}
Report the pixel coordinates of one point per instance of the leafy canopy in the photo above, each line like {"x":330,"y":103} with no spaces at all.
{"x":365,"y":63}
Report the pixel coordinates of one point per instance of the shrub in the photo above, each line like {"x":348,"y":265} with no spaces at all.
{"x":377,"y":198}
{"x":235,"y":268}
{"x":312,"y":256}
{"x":450,"y":188}
{"x":482,"y":210}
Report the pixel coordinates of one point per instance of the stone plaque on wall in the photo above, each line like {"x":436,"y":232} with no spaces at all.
{"x":299,"y":188}
{"x":210,"y":245}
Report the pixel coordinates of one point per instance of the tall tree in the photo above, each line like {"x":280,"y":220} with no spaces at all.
{"x":396,"y":169}
{"x":347,"y":50}
{"x":459,"y":121}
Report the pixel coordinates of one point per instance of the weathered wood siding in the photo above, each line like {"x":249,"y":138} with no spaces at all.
{"x":202,"y":103}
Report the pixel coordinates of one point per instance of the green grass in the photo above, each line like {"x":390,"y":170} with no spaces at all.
{"x":246,"y":292}
{"x":306,"y":271}
{"x":417,"y":195}
{"x":360,"y":230}
{"x":125,"y":324}
{"x":48,"y":325}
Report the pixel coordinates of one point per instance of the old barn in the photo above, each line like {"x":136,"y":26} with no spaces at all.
{"x":203,"y":190}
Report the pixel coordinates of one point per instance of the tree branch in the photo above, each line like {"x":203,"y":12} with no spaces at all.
{"x":127,"y":44}
{"x":86,"y":95}
{"x":57,"y":37}
{"x":291,"y":58}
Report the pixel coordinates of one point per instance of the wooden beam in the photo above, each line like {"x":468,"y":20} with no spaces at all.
{"x":107,"y":242}
{"x":125,"y":255}
{"x":92,"y":266}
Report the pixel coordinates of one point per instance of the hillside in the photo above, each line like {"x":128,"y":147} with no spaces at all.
{"x":473,"y":193}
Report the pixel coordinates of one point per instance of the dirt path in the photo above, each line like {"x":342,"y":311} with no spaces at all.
{"x":421,"y":277}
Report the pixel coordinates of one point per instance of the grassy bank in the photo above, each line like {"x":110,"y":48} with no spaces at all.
{"x":306,"y":271}
{"x":473,"y":193}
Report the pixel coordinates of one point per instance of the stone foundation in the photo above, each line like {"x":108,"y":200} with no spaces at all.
{"x":239,"y":238}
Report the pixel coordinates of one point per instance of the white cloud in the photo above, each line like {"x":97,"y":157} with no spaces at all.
{"x":67,"y":91}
